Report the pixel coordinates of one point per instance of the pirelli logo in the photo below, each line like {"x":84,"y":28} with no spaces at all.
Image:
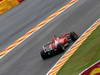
{"x":92,"y":70}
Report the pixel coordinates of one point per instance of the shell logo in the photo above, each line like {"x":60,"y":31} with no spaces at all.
{"x":95,"y":72}
{"x":92,"y":70}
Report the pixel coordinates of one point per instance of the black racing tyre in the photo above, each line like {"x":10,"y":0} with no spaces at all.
{"x":43,"y":55}
{"x":73,"y":36}
{"x":60,"y":48}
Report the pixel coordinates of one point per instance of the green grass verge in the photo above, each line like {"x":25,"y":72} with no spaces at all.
{"x":85,"y":56}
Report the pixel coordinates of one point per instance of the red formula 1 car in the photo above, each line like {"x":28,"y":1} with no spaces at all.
{"x":58,"y":44}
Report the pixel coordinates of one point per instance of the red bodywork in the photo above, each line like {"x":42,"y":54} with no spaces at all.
{"x":63,"y":39}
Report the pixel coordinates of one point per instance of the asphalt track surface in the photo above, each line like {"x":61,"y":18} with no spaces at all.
{"x":25,"y":59}
{"x":20,"y":19}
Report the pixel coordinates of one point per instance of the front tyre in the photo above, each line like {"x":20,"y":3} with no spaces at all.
{"x":43,"y":55}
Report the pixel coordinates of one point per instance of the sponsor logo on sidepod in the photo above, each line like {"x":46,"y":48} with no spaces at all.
{"x":92,"y":70}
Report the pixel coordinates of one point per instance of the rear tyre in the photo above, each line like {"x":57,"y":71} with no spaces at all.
{"x":60,"y":48}
{"x":73,"y":36}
